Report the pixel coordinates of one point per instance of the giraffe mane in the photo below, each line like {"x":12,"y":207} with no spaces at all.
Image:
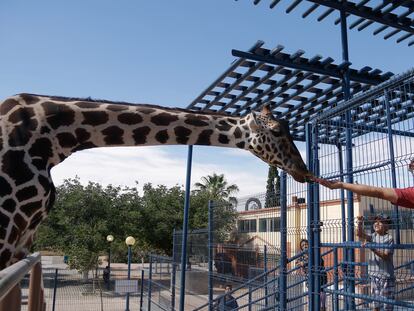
{"x":106,"y":101}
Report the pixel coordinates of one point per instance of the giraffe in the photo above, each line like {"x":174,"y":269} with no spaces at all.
{"x":38,"y":132}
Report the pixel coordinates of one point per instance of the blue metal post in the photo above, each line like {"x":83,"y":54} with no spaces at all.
{"x":249,"y":307}
{"x":185,"y":228}
{"x":54,"y":290}
{"x":392,"y":160}
{"x":310,"y":200}
{"x":265,"y":276}
{"x":316,"y":222}
{"x":336,"y":281}
{"x":129,"y":276}
{"x":350,"y":301}
{"x":173,"y":272}
{"x":283,"y":242}
{"x":342,"y":192}
{"x":210,"y":255}
{"x":141,"y":300}
{"x":150,"y":284}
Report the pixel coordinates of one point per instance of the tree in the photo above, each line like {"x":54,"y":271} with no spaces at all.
{"x":272,"y":188}
{"x":217,"y":188}
{"x":83,"y":216}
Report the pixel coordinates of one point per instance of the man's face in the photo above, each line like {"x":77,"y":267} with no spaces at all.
{"x":227,"y":289}
{"x":380,"y":227}
{"x":411,"y":166}
{"x":304,"y":245}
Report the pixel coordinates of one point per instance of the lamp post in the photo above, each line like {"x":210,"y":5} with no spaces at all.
{"x":109,"y":238}
{"x":129,"y":241}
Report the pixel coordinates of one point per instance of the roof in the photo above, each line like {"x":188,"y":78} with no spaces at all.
{"x":391,"y":18}
{"x":296,"y":87}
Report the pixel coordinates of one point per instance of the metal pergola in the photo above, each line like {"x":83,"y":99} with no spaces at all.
{"x":392,"y":17}
{"x":296,"y":88}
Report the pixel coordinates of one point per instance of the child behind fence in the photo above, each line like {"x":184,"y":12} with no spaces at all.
{"x":380,"y":265}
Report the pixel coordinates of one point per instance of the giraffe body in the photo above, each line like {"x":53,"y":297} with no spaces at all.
{"x":38,"y":132}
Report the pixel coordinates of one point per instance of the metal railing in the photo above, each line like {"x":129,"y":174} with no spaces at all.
{"x":10,"y":278}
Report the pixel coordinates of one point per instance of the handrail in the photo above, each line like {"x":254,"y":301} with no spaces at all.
{"x":12,"y":275}
{"x":251,"y":281}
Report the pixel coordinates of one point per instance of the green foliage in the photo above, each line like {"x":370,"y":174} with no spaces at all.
{"x":83,"y":216}
{"x":272,"y":188}
{"x":217,"y":188}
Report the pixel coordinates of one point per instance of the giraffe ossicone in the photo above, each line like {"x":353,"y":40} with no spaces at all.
{"x":38,"y":132}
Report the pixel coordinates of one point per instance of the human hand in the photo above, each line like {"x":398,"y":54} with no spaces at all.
{"x":331,"y":184}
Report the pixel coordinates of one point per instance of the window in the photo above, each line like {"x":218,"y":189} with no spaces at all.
{"x":263,"y":225}
{"x":248,"y":225}
{"x":269,"y":224}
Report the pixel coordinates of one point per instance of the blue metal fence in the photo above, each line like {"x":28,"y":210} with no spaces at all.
{"x":368,"y":139}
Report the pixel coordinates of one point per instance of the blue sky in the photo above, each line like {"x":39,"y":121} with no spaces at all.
{"x":164,"y":53}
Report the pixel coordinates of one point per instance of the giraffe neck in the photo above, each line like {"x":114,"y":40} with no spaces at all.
{"x":78,"y":125}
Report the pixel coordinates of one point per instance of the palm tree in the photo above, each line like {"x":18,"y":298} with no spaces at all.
{"x":217,"y":188}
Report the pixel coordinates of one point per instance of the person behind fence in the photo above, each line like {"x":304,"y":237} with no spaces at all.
{"x":380,"y":265}
{"x":227,"y":302}
{"x":105,"y":274}
{"x":303,"y":262}
{"x":403,"y":197}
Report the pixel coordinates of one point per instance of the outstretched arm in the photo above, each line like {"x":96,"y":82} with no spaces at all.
{"x":388,"y":194}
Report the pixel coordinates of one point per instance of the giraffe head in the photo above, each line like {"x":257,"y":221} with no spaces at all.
{"x":271,"y":141}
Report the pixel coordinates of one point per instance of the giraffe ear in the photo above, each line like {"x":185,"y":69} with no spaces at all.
{"x":266,"y":111}
{"x":253,"y":122}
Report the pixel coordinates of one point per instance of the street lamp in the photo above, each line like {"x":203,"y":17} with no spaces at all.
{"x":109,"y":238}
{"x":129,"y":241}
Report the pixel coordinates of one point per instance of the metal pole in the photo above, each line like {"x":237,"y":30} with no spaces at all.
{"x":174,"y":271}
{"x":129,"y":277}
{"x":185,"y":228}
{"x":54,"y":290}
{"x":150,"y":284}
{"x":265,"y":275}
{"x":142,"y":290}
{"x":249,"y":297}
{"x":283,"y":242}
{"x":316,"y":221}
{"x":210,"y":255}
{"x":310,"y":199}
{"x":392,"y":160}
{"x":109,"y":267}
{"x":350,"y":301}
{"x":336,"y":280}
{"x":342,"y":192}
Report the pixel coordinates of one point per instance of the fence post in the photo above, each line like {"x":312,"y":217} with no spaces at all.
{"x":249,"y":296}
{"x":150,"y":284}
{"x":210,"y":255}
{"x":185,"y":228}
{"x":173,"y":272}
{"x":283,"y":242}
{"x":12,"y":301}
{"x":392,"y":160}
{"x":35,"y":287}
{"x":316,"y":222}
{"x":265,"y":274}
{"x":142,"y":290}
{"x":336,"y":280}
{"x":310,"y":224}
{"x":54,"y":290}
{"x":350,"y":302}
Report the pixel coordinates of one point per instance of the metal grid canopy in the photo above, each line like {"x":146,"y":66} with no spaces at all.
{"x":395,"y":17}
{"x":296,"y":88}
